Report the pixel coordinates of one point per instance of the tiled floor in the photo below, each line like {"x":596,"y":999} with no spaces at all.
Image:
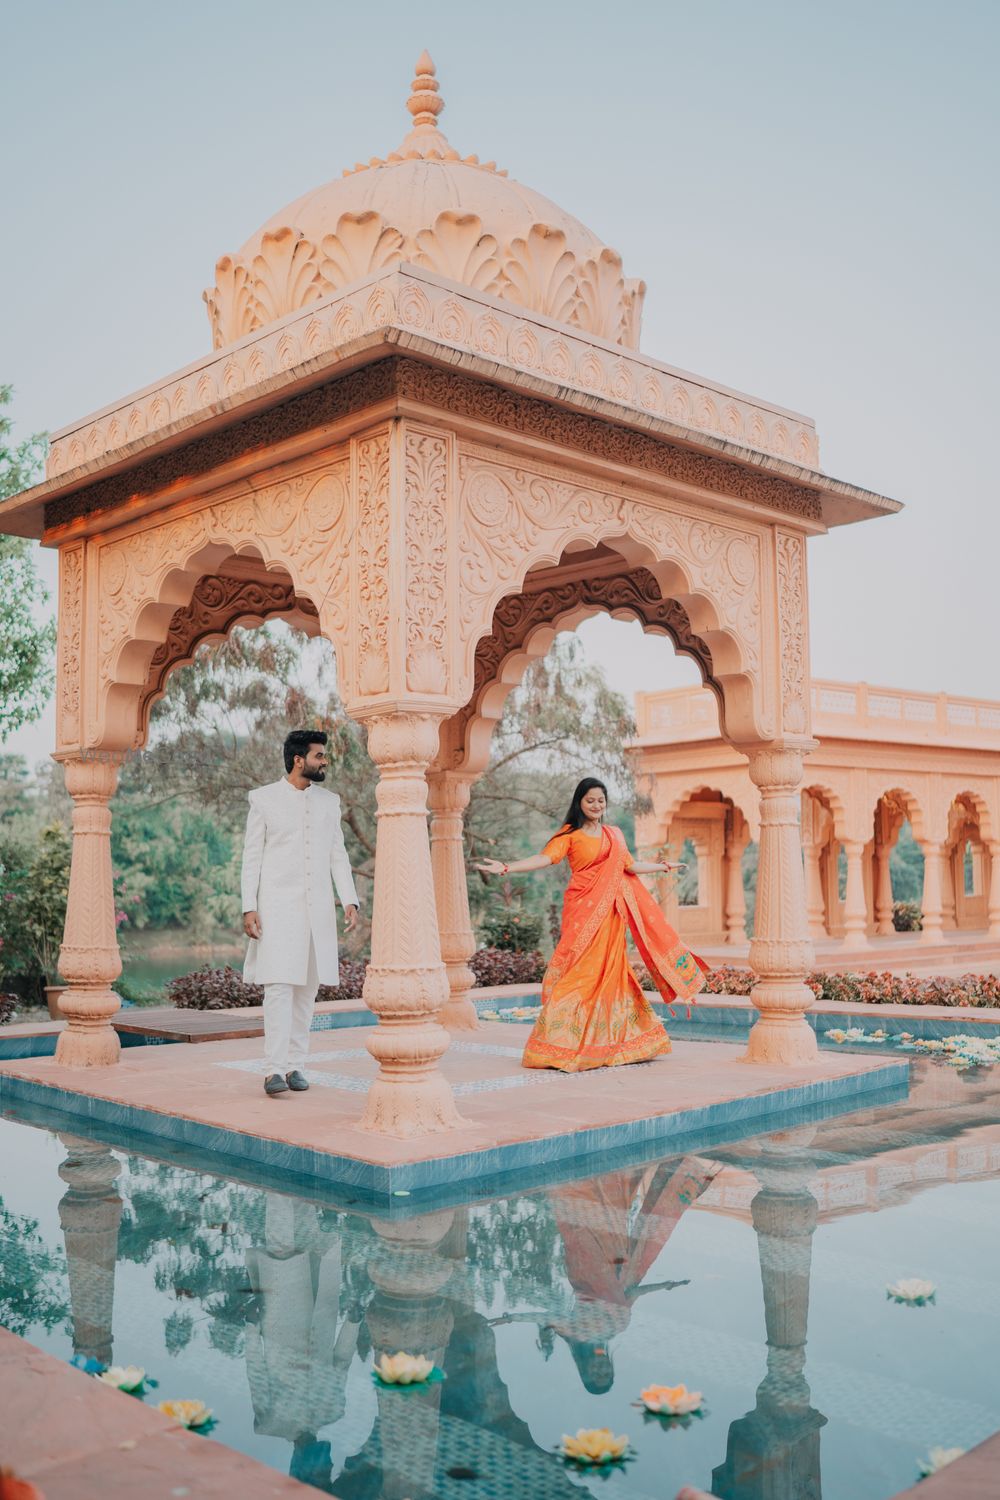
{"x":211,"y":1095}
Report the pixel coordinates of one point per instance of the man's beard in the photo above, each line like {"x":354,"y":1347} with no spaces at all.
{"x":311,"y":773}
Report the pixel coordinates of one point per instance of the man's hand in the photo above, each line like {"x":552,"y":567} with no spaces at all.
{"x":251,"y":924}
{"x":351,"y":915}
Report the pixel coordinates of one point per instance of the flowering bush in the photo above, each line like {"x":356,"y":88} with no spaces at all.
{"x":223,"y":989}
{"x":493,"y":966}
{"x":874,"y":988}
{"x":8,"y":1005}
{"x":907,"y":916}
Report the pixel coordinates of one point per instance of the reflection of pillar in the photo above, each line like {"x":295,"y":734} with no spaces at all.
{"x":448,"y":799}
{"x":773,"y":1452}
{"x":855,"y":908}
{"x":931,"y":902}
{"x":736,"y":904}
{"x":410,"y":1268}
{"x":883,"y":890}
{"x":781,"y":953}
{"x":815,"y":909}
{"x":90,"y":1212}
{"x":406,"y":984}
{"x":993,"y":910}
{"x":89,"y":960}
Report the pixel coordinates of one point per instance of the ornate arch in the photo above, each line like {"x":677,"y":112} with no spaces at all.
{"x":826,"y":795}
{"x":721,"y":782}
{"x":524,"y":625}
{"x":908,"y":802}
{"x":145,"y":584}
{"x":977,"y":803}
{"x":516,"y":519}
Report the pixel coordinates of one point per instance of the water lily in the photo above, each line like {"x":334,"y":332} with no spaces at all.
{"x":190,"y":1413}
{"x":671,"y":1400}
{"x":122,"y":1377}
{"x":489,"y":1015}
{"x":403,"y":1369}
{"x":912,"y":1290}
{"x":594,"y":1445}
{"x":937,"y":1459}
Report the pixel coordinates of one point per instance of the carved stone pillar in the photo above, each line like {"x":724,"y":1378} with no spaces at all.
{"x":781,"y":952}
{"x":448,"y":799}
{"x":931,"y":902}
{"x":736,"y":902}
{"x":883,"y":890}
{"x":406,"y":984}
{"x":993,"y":907}
{"x":855,"y":906}
{"x":89,"y":960}
{"x":90,"y":1213}
{"x":815,"y":906}
{"x":952,"y":869}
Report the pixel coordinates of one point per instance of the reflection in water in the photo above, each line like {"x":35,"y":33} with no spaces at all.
{"x":90,"y":1213}
{"x":773,"y":1452}
{"x":302,"y":1296}
{"x":299,"y":1351}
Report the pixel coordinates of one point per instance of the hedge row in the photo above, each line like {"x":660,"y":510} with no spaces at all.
{"x":875,"y":988}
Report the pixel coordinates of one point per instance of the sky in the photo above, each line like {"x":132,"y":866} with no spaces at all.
{"x":808,"y":189}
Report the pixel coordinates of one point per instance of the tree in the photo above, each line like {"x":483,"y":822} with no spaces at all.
{"x":26,"y":645}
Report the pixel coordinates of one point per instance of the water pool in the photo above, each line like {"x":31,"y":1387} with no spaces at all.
{"x":754,"y":1272}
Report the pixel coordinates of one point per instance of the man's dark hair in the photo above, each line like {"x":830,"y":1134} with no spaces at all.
{"x":298,"y":743}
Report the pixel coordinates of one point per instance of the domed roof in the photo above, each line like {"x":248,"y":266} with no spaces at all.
{"x":423,"y":203}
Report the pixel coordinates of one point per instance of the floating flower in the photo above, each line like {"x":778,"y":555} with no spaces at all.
{"x":122,"y":1377}
{"x":671,"y":1400}
{"x":594,"y":1445}
{"x":913,"y":1291}
{"x":190,"y":1413}
{"x":489,"y":1015}
{"x":403,"y":1369}
{"x":937,"y":1459}
{"x":837,"y":1035}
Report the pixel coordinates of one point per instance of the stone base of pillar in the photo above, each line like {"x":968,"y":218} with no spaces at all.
{"x":409,"y":1097}
{"x":782,"y":1035}
{"x":458,"y":1012}
{"x":89,"y":1041}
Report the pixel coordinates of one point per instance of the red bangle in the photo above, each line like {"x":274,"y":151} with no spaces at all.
{"x":506,"y":869}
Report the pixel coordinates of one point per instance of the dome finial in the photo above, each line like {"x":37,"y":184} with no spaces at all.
{"x":425,"y":103}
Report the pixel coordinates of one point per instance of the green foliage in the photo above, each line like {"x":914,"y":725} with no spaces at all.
{"x":906,"y":868}
{"x":907,"y":916}
{"x":512,"y":928}
{"x":35,"y":881}
{"x":33,"y":1280}
{"x":26,"y":641}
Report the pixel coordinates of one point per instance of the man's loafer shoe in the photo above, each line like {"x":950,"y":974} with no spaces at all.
{"x":275,"y":1084}
{"x":297,"y":1081}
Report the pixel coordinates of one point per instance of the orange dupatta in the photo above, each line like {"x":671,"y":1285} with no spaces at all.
{"x":608,"y":882}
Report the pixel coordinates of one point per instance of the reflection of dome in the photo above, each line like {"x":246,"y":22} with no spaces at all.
{"x":427,"y":205}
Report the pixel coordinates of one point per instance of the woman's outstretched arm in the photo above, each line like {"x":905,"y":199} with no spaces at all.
{"x":519,"y":866}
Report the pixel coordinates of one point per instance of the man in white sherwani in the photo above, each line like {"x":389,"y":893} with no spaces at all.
{"x":294,"y":845}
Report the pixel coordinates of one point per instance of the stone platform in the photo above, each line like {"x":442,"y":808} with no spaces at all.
{"x":210,"y":1097}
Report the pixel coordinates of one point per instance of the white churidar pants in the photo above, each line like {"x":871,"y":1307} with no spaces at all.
{"x":288,"y":1013}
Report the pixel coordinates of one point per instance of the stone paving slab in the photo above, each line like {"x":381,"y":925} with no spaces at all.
{"x":79,"y":1440}
{"x":975,"y":1476}
{"x":211,"y":1096}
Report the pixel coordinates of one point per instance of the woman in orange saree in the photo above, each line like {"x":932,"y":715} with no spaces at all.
{"x":594,"y":1013}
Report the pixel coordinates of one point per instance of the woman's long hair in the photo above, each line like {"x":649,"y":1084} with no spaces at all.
{"x":575,"y":817}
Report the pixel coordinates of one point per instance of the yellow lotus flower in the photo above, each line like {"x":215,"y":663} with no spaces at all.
{"x":912,"y":1289}
{"x":671,"y":1400}
{"x":836,"y":1035}
{"x":123,"y":1377}
{"x":191,"y":1413}
{"x":594,"y":1445}
{"x":937,"y":1459}
{"x":403,"y":1369}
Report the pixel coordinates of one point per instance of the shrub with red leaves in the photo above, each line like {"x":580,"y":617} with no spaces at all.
{"x":224,"y":989}
{"x":493,"y":966}
{"x":874,"y":988}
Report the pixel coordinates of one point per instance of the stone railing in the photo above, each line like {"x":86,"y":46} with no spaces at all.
{"x":840,"y":710}
{"x":414,"y":301}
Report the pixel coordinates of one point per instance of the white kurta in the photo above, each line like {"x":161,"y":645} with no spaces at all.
{"x":294,"y":846}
